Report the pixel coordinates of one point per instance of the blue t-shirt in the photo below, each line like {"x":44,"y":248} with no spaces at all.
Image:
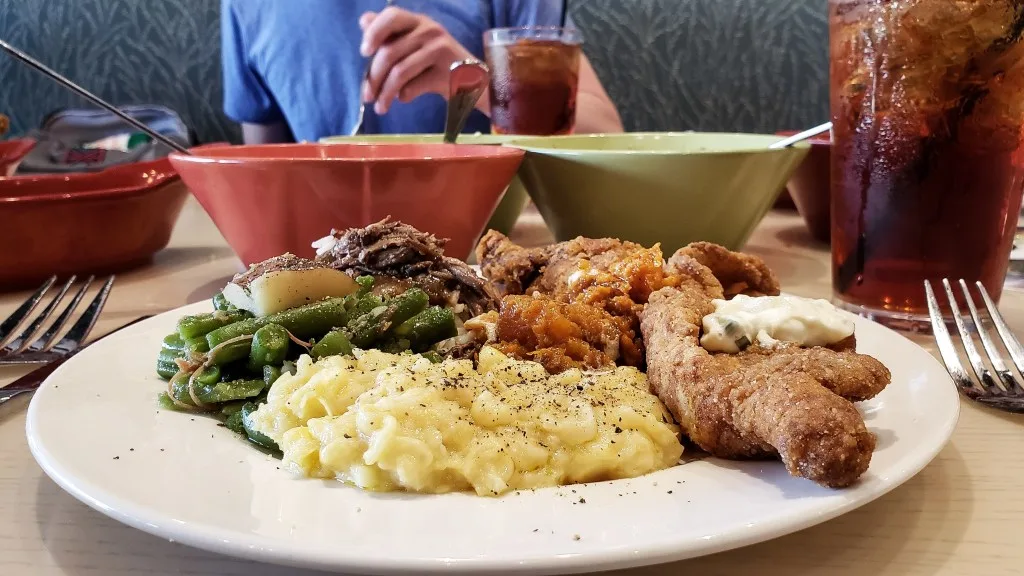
{"x":298,"y":61}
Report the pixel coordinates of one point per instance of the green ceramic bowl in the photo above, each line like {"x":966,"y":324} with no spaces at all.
{"x":511,"y":205}
{"x":672,"y":188}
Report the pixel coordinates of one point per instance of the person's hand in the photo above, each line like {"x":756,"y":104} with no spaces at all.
{"x":411,"y":56}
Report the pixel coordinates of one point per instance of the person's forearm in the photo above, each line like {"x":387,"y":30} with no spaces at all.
{"x":596,"y":115}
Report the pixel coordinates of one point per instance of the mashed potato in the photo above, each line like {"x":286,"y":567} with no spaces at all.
{"x":390,"y":422}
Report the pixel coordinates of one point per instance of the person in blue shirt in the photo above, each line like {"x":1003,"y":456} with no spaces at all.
{"x":293,"y":70}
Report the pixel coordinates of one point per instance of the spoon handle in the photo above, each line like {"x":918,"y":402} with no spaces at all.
{"x":32,"y":62}
{"x":809,"y":133}
{"x":467,"y":81}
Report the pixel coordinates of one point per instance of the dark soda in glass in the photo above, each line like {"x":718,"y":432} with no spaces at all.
{"x":534,"y":77}
{"x":927,"y":100}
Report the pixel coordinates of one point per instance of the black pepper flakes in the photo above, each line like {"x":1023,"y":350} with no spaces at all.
{"x":583,"y":500}
{"x":117,"y":457}
{"x":618,"y":430}
{"x":669,"y":491}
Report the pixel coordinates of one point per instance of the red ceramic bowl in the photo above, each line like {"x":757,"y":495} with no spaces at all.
{"x":80,"y":223}
{"x":11,"y":153}
{"x":810,"y":186}
{"x":272,"y":199}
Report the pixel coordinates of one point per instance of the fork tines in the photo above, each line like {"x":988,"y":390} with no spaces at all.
{"x":28,"y":346}
{"x":1004,"y":389}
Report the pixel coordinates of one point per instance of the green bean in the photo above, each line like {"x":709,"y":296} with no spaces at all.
{"x":209,"y":376}
{"x":334,"y":343}
{"x":201,"y":324}
{"x":232,"y":407}
{"x":221,"y":303}
{"x":367,"y":328}
{"x":228,"y":391}
{"x":309,"y":321}
{"x":169,"y":355}
{"x":408,"y":304}
{"x":371,"y":327}
{"x":393,"y":345}
{"x":270,"y":375}
{"x":269,"y":346}
{"x":364,"y":306}
{"x":433,"y":356}
{"x":234,"y":423}
{"x":164,"y":401}
{"x":365,"y":285}
{"x":174,"y":342}
{"x":229,"y":351}
{"x":166,"y":370}
{"x":178,"y":388}
{"x":428,"y":327}
{"x":253,"y":434}
{"x":195,"y":347}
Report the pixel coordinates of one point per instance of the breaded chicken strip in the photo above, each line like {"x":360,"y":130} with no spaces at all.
{"x":758,"y":403}
{"x":509,"y":266}
{"x":853,"y":376}
{"x":737,"y":273}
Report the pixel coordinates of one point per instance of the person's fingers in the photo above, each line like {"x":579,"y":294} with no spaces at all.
{"x":385,"y":59}
{"x":418,"y":86}
{"x":389,"y":22}
{"x":365,"y":19}
{"x":401,"y":74}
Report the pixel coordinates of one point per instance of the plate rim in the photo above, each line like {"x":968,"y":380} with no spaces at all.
{"x":264,"y":549}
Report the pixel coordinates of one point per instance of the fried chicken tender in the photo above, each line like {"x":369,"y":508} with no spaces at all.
{"x":737,"y":273}
{"x":759,"y":403}
{"x":510,"y":267}
{"x":611,"y":274}
{"x":853,"y":376}
{"x":561,"y":336}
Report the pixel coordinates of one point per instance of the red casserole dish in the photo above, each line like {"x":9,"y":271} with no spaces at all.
{"x":97,"y":222}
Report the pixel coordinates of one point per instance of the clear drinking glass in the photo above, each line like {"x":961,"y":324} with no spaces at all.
{"x":927,"y":100}
{"x":534,"y":75}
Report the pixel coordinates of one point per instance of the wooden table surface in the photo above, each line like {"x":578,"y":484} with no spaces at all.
{"x":964,"y":514}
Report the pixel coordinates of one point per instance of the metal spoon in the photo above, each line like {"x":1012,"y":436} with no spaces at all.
{"x":467,"y":81}
{"x":801,"y":136}
{"x":32,"y":62}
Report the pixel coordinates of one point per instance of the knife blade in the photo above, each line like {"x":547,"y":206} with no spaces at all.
{"x":35,"y":378}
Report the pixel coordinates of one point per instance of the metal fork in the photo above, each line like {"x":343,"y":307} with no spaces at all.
{"x":1004,"y":390}
{"x":366,"y":76}
{"x":26,"y":347}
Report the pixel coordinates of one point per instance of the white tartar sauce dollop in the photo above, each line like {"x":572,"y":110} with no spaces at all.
{"x":769,"y":320}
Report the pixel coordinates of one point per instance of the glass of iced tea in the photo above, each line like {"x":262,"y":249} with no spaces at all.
{"x":927,"y":100}
{"x":534,"y":74}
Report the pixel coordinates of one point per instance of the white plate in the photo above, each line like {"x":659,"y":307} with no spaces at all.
{"x":96,"y":430}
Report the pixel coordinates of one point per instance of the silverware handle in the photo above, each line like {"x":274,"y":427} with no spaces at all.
{"x":32,"y":62}
{"x":7,"y":395}
{"x":35,"y":378}
{"x":809,"y":133}
{"x":467,"y":81}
